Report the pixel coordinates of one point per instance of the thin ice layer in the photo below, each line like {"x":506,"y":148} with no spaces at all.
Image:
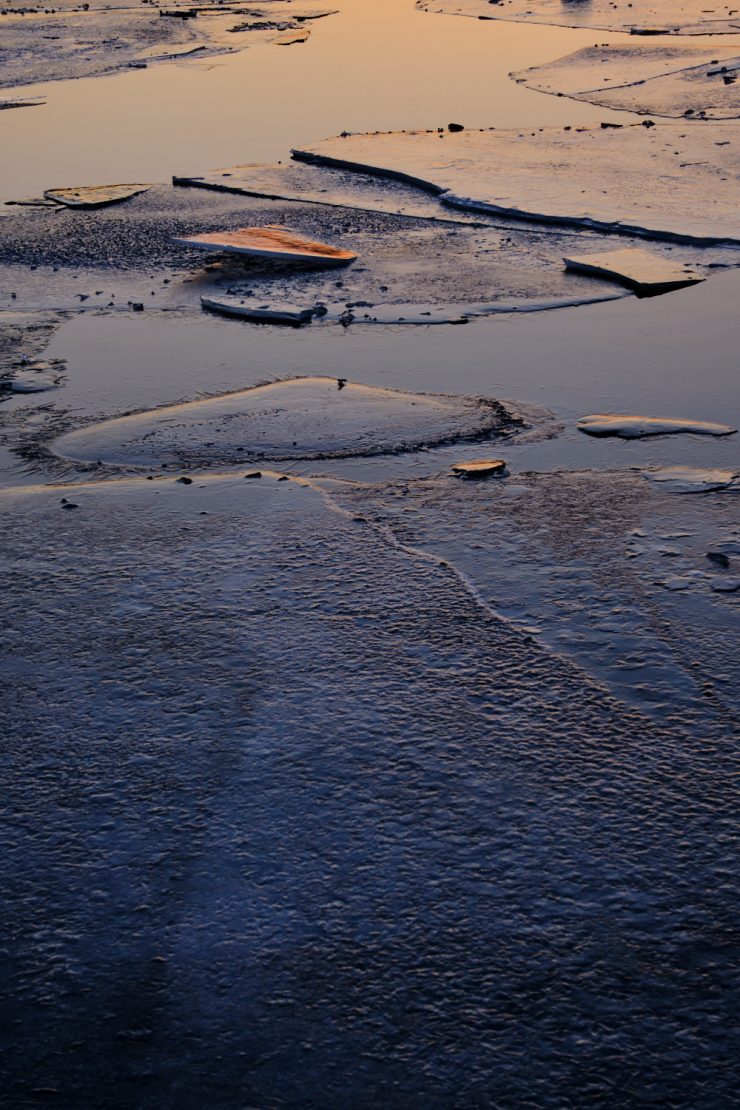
{"x":668,"y":17}
{"x":664,"y":81}
{"x":300,"y":418}
{"x":669,"y":181}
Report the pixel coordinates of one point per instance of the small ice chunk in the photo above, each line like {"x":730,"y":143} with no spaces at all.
{"x":726,"y":585}
{"x":639,"y":269}
{"x":690,"y":479}
{"x":278,"y":244}
{"x":93,"y":196}
{"x":635,"y":427}
{"x":279,"y":312}
{"x":480,"y":468}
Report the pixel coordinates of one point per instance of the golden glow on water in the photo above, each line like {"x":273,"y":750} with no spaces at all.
{"x":378,"y":65}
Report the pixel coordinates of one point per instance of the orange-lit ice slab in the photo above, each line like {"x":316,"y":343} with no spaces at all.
{"x":94,"y":196}
{"x":273,"y":243}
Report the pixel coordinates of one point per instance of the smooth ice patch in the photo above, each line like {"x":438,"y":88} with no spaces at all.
{"x":669,"y":81}
{"x":301,"y":418}
{"x":690,"y":479}
{"x":668,"y":181}
{"x":93,"y":196}
{"x":635,"y":427}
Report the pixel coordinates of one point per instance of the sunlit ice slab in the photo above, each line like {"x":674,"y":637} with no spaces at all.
{"x":275,"y":243}
{"x":665,"y":17}
{"x":300,"y":418}
{"x":636,"y":427}
{"x":93,"y":196}
{"x":666,"y":181}
{"x":672,"y":81}
{"x":635,"y":268}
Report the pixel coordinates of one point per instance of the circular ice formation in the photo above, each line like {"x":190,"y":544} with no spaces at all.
{"x":301,"y":418}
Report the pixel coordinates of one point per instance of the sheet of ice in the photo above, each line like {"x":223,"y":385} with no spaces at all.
{"x":636,"y":268}
{"x":272,"y":784}
{"x":299,"y":418}
{"x":664,"y":81}
{"x":635,"y":427}
{"x":690,"y":479}
{"x":648,"y":17}
{"x":668,"y":181}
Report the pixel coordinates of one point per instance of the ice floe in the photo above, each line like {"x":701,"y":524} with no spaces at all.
{"x":667,"y":181}
{"x":649,"y":17}
{"x":276,"y":244}
{"x":93,"y":196}
{"x":691,"y":479}
{"x":302,"y":182}
{"x":635,"y":427}
{"x":299,"y":418}
{"x":277,"y":312}
{"x":669,"y":81}
{"x":635,"y":268}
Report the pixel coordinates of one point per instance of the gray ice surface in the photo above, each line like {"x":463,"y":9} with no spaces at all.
{"x":355,"y":837}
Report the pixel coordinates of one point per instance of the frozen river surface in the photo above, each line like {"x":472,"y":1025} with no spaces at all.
{"x":348,"y":783}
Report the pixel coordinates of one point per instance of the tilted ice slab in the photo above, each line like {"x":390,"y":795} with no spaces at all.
{"x":670,"y":17}
{"x":636,"y":268}
{"x":636,"y":427}
{"x":670,"y":181}
{"x":301,"y":418}
{"x":309,"y":185}
{"x":664,"y":80}
{"x":690,"y":479}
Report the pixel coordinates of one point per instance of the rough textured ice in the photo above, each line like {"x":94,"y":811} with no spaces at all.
{"x":666,"y":181}
{"x":635,"y":427}
{"x":300,"y":418}
{"x":671,"y":17}
{"x":292,"y":819}
{"x":661,"y":81}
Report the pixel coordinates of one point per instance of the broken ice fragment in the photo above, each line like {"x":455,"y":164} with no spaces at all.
{"x":689,"y":479}
{"x":635,"y":427}
{"x":279,"y":312}
{"x":22,"y":102}
{"x":94,"y":196}
{"x":480,"y":468}
{"x":726,"y":585}
{"x":639,"y":269}
{"x":674,"y":81}
{"x":275,"y":243}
